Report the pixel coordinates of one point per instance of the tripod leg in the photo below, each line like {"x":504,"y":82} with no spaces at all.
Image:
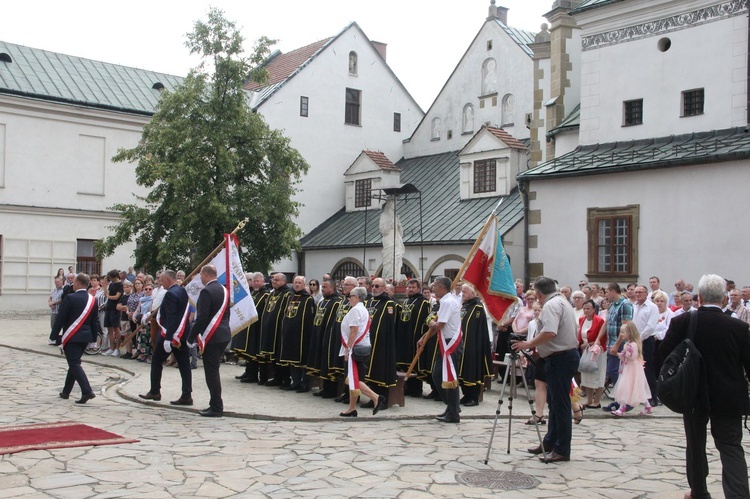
{"x":499,"y":406}
{"x":533,"y":411}
{"x":512,"y":364}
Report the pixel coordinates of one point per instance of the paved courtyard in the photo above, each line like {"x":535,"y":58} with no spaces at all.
{"x":280,"y":444}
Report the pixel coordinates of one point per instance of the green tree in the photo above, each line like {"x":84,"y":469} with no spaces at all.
{"x":210,"y":162}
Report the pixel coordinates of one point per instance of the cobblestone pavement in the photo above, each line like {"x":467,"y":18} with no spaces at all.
{"x":294,"y":445}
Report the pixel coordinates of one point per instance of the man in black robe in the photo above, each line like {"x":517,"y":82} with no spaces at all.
{"x":381,"y":374}
{"x":336,"y":368}
{"x":428,"y":356}
{"x":295,"y":336}
{"x":410,"y":326}
{"x":246,"y":344}
{"x":477,"y":358}
{"x":270,"y":333}
{"x":325,"y":318}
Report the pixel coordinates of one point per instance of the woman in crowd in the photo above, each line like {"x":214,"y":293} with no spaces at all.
{"x":578,"y":299}
{"x":122,"y":307}
{"x":603,"y":308}
{"x":356,"y":349}
{"x":540,"y":380}
{"x":665,"y":317}
{"x":315,"y":291}
{"x":144,"y":335}
{"x":592,"y":336}
{"x":61,"y":273}
{"x":525,"y":315}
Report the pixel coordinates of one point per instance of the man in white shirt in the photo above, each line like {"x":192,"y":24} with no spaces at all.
{"x":674,"y":296}
{"x":448,"y":326}
{"x":645,"y":318}
{"x":686,"y":298}
{"x":655,"y":284}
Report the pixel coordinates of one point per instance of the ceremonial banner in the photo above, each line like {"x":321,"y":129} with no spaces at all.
{"x":488,"y":269}
{"x":230,"y":274}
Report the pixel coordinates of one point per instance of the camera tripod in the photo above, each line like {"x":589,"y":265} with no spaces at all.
{"x":513,"y":362}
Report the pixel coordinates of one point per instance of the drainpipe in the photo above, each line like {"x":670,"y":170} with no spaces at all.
{"x":522,"y":187}
{"x":747,"y":90}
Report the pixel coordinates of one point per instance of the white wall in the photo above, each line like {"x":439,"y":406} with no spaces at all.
{"x":51,"y":154}
{"x":328,"y":144}
{"x":699,"y":237}
{"x":712,"y":56}
{"x":514,"y":75}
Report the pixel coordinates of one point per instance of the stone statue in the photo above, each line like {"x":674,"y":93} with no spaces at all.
{"x":393,"y":236}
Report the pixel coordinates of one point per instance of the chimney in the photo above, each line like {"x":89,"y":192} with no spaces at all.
{"x":502,"y":15}
{"x":381,"y":47}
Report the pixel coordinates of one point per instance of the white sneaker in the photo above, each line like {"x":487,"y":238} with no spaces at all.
{"x":51,"y":342}
{"x":108,"y":352}
{"x":115,"y":353}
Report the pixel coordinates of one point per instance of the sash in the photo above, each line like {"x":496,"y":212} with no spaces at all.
{"x":180,"y":329}
{"x":353,"y":379}
{"x":213,"y":325}
{"x":73,"y":328}
{"x":450,"y":379}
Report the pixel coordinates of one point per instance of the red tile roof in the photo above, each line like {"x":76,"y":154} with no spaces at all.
{"x":507,"y":138}
{"x":283,"y":65}
{"x":381,"y":160}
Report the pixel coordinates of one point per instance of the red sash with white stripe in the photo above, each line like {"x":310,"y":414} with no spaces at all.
{"x":180,"y":329}
{"x":73,"y":328}
{"x":447,"y":348}
{"x":353,"y":379}
{"x":215,"y":321}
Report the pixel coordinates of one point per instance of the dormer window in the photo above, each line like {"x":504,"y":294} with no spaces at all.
{"x":5,"y":57}
{"x":158,"y":86}
{"x":485,"y":176}
{"x":362,"y":193}
{"x":353,"y":63}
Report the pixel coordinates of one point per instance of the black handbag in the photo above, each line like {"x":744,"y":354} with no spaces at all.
{"x":680,"y":380}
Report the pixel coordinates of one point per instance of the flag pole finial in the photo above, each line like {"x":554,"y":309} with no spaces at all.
{"x":240,"y":225}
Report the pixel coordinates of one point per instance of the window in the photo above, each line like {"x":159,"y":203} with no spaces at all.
{"x":613,"y":243}
{"x":633,"y":111}
{"x":86,"y":260}
{"x":435,"y":131}
{"x":396,"y":122}
{"x":304,"y":106}
{"x":692,"y":102}
{"x":485,"y":176}
{"x":347,"y":268}
{"x":489,"y":44}
{"x":351,"y":116}
{"x":353,"y":63}
{"x":362,"y":193}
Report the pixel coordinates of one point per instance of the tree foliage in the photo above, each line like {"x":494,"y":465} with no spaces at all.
{"x":209,"y":162}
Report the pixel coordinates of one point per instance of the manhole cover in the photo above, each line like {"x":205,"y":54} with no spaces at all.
{"x":505,"y":480}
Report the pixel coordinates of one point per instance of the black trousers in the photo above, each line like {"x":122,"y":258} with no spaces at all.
{"x":182,"y":355}
{"x":448,"y":395}
{"x":649,"y":348}
{"x":727,"y":434}
{"x":73,"y":354}
{"x":211,"y":362}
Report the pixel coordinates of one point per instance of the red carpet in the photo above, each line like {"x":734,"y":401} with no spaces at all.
{"x":54,"y":436}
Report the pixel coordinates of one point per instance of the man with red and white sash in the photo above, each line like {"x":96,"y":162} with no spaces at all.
{"x":78,"y":318}
{"x":448,"y":327}
{"x":211,"y":330}
{"x":174,"y":329}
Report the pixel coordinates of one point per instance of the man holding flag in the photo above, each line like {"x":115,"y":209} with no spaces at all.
{"x":448,"y":327}
{"x":211,"y":330}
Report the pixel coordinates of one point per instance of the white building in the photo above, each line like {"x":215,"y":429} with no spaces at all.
{"x":334,"y":98}
{"x":462,"y":159}
{"x":664,"y":148}
{"x":62,"y":119}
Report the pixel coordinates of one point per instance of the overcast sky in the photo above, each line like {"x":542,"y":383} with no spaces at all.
{"x":425,"y":39}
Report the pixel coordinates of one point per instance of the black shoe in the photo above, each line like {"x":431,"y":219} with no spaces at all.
{"x":340,"y":398}
{"x":85,"y":398}
{"x":151,"y":396}
{"x":303,"y":389}
{"x":182,"y":401}
{"x":446,"y":419}
{"x":64,"y":395}
{"x":431,"y":395}
{"x":290,"y":388}
{"x":369,"y":405}
{"x":248,"y":380}
{"x":470,"y":402}
{"x":381,"y":405}
{"x":210,"y":413}
{"x":352,"y":414}
{"x":538,"y":449}
{"x":262,"y":382}
{"x":273,"y":382}
{"x":463,"y":399}
{"x":325,"y":395}
{"x":319,"y":393}
{"x":241,"y":376}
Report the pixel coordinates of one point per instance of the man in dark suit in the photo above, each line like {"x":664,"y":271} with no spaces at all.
{"x":724,"y":344}
{"x":78,"y":319}
{"x":174,"y":326}
{"x":211,"y":329}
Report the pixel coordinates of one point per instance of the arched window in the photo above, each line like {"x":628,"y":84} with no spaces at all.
{"x":468,"y":121}
{"x":353,"y":63}
{"x":435,"y":129}
{"x":489,"y":76}
{"x":509,"y":109}
{"x":347,"y":268}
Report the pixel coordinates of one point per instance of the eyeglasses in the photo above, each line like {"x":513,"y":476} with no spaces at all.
{"x":149,"y":289}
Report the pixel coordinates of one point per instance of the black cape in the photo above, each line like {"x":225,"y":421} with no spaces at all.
{"x":246,"y":343}
{"x":430,"y":350}
{"x":335,"y":368}
{"x":296,"y":329}
{"x":410,"y":326}
{"x":325,"y":316}
{"x":270,"y":332}
{"x":382,"y":370}
{"x":477,"y":358}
